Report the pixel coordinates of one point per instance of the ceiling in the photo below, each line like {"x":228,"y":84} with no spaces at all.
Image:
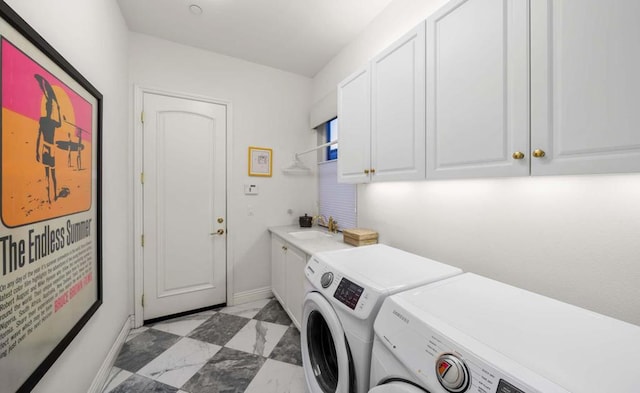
{"x":298,"y":36}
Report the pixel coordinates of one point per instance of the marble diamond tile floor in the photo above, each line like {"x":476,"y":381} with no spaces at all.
{"x":250,"y":348}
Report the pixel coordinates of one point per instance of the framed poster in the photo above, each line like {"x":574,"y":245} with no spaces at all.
{"x":50,"y":207}
{"x":260,"y":162}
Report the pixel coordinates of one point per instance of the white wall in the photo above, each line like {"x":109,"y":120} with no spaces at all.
{"x":576,"y":238}
{"x":269,"y":109}
{"x":92,"y":36}
{"x":391,"y":24}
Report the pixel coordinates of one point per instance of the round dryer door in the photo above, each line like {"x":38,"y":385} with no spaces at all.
{"x":397,"y":387}
{"x":325,"y":353}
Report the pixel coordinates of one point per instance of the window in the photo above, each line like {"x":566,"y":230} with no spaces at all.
{"x":337,"y":200}
{"x":332,"y":135}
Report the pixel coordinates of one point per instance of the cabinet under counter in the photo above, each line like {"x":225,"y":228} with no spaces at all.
{"x":290,"y":252}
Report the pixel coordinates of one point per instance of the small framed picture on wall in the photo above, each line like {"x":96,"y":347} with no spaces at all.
{"x":260,"y":161}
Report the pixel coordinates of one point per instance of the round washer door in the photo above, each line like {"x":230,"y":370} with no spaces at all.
{"x":325,"y":356}
{"x":397,"y":387}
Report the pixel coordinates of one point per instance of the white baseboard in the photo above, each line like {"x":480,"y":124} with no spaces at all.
{"x":251,"y":296}
{"x":103,"y":373}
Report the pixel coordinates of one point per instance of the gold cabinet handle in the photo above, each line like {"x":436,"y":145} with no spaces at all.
{"x":518,"y":155}
{"x":366,"y":171}
{"x":373,"y":170}
{"x":537,"y":153}
{"x":218,"y":232}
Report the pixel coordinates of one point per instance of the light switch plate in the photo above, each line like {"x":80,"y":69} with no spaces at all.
{"x":250,"y":189}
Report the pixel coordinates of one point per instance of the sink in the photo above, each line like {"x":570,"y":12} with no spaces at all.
{"x":309,"y":235}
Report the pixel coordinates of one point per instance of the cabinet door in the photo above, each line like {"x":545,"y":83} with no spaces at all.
{"x":354,"y":132}
{"x":585,"y":57}
{"x":478,"y":89}
{"x":398,"y":109}
{"x":277,"y":268}
{"x":296,"y":261}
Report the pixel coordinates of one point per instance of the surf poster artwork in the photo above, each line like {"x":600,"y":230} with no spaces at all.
{"x":50,"y":204}
{"x":46,"y":143}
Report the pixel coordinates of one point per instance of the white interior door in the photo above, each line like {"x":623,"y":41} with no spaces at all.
{"x":184,"y":201}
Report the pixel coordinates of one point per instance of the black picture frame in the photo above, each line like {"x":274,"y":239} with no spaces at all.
{"x":51,"y":234}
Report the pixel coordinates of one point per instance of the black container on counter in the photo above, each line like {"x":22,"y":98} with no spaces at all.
{"x":305,"y":221}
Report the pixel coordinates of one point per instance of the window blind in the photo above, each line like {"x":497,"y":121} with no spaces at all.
{"x":337,"y":200}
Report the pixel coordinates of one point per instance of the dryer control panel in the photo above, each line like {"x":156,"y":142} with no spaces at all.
{"x":445,"y":361}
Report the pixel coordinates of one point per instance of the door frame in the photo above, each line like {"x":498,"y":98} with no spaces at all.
{"x":138,"y":257}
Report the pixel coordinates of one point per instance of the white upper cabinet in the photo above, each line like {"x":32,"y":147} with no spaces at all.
{"x":508,"y":88}
{"x":556,"y":95}
{"x":478,"y":89}
{"x":585,"y":86}
{"x":354,"y":122}
{"x":381,"y":112}
{"x":398,"y":110}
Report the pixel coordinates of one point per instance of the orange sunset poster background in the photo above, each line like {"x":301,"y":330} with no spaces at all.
{"x":45,"y":143}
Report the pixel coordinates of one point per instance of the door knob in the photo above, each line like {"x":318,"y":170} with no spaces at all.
{"x":218,"y":232}
{"x":537,"y":153}
{"x":518,"y":155}
{"x":220,"y":220}
{"x":366,"y":171}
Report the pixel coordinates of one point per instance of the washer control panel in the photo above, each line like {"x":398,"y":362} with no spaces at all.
{"x":348,"y":293}
{"x":343,"y":291}
{"x":326,"y":279}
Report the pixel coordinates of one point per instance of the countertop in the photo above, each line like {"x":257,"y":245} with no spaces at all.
{"x":310,"y":246}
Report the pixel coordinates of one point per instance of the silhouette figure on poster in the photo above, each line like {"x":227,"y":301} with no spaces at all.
{"x":46,"y":137}
{"x":73,"y":146}
{"x":79,"y":158}
{"x":69,"y":150}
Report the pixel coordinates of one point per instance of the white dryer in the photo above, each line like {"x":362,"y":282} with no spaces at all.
{"x":345,"y":290}
{"x":472,"y":334}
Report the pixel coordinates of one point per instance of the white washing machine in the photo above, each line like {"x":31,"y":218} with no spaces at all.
{"x":472,"y":334}
{"x":345,"y":290}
